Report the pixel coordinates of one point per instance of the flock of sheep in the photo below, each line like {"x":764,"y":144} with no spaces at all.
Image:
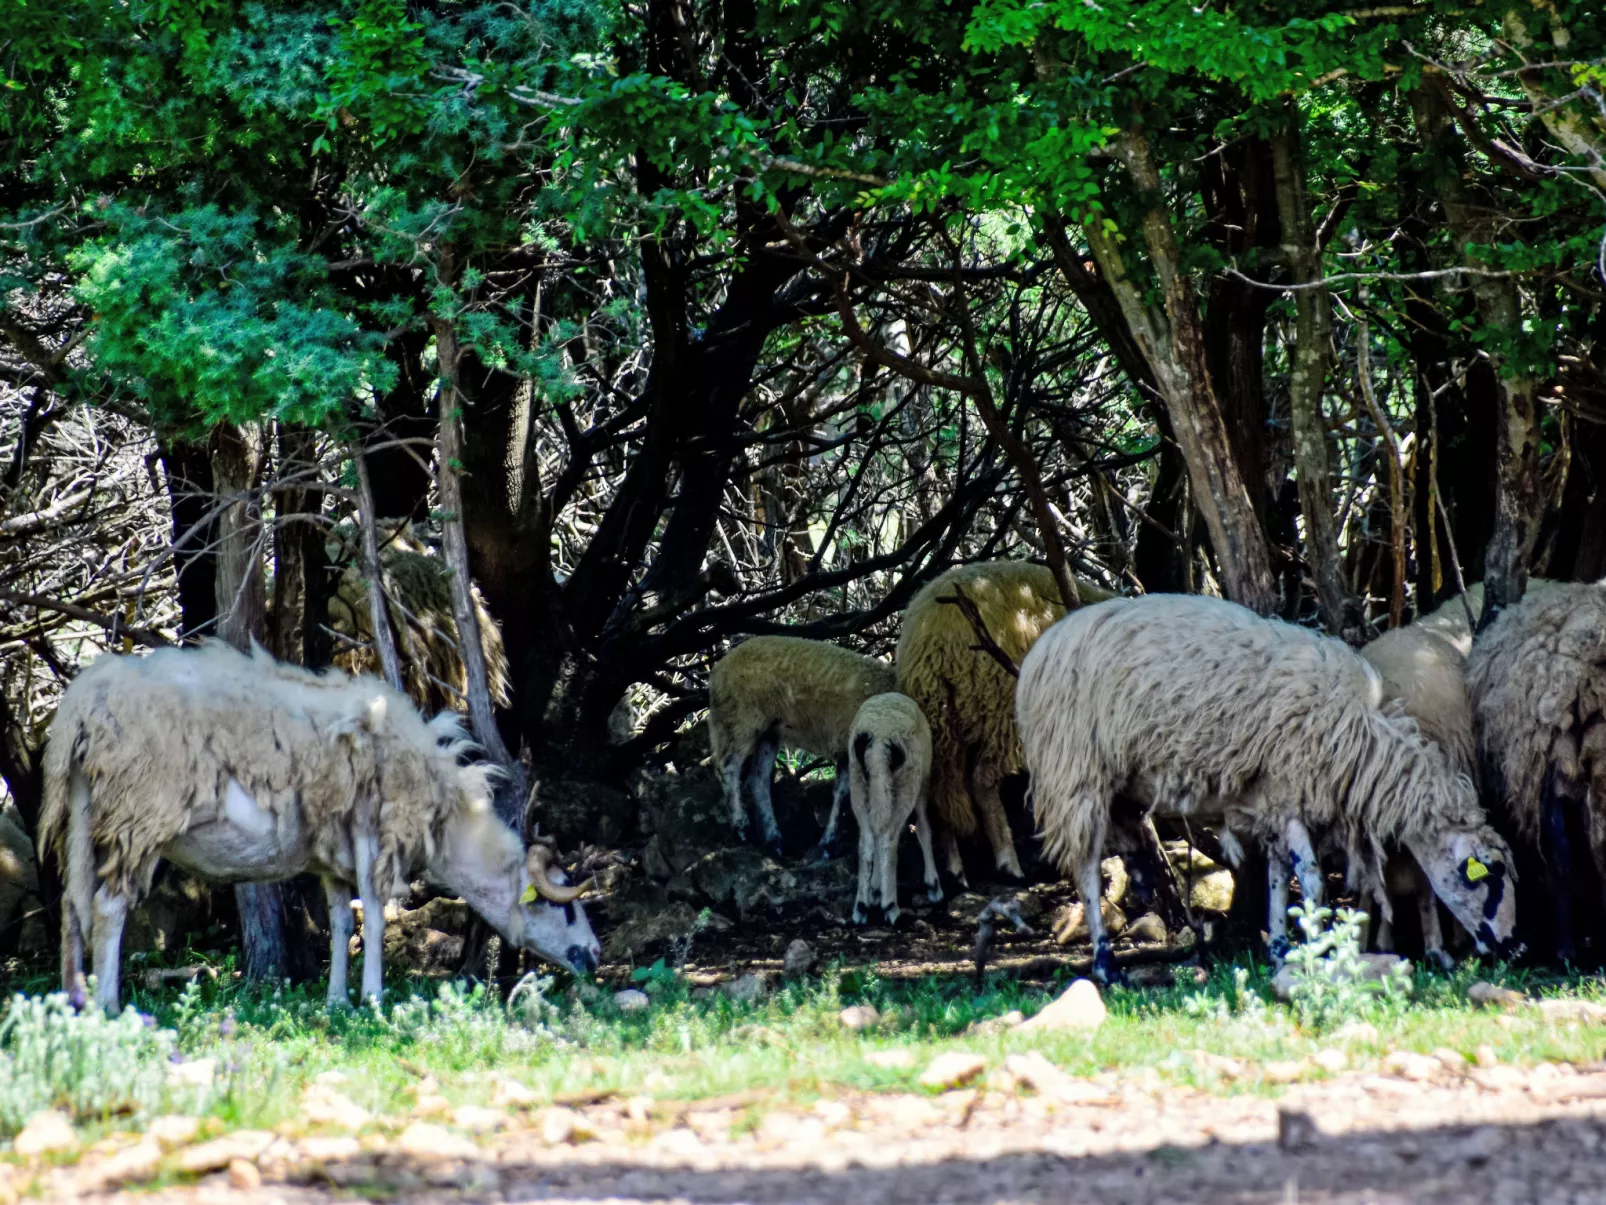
{"x":1166,"y":706}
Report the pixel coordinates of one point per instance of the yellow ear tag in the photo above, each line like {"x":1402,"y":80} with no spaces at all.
{"x":1476,"y":870}
{"x":529,"y":893}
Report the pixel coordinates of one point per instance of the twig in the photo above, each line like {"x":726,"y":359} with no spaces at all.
{"x":967,"y":608}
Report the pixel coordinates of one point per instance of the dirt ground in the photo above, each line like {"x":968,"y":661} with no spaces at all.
{"x":1495,"y":1135}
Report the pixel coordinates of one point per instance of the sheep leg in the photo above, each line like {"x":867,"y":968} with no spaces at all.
{"x":340,"y":930}
{"x":863,"y":900}
{"x":950,"y":855}
{"x":923,"y":835}
{"x":366,"y":847}
{"x":1384,"y":911}
{"x":1306,"y":867}
{"x":78,"y":869}
{"x":761,"y":770}
{"x":887,"y":866}
{"x":1428,"y":908}
{"x":1278,"y":873}
{"x":735,"y":764}
{"x":994,"y":819}
{"x":1557,"y":849}
{"x":1090,"y":886}
{"x":826,"y":849}
{"x":111,"y":914}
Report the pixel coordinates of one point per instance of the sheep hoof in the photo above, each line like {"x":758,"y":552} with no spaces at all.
{"x":1444,"y":961}
{"x":820,"y":853}
{"x":934,"y":892}
{"x":891,"y":915}
{"x":860,"y":914}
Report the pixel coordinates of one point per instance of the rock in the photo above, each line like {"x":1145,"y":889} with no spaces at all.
{"x":1374,"y":968}
{"x":429,"y":939}
{"x":631,"y":1001}
{"x":1486,"y":1057}
{"x":1559,"y":1011}
{"x":1212,"y":893}
{"x":193,"y":1073}
{"x":1356,"y":1031}
{"x":429,"y":1143}
{"x":1282,"y":1071}
{"x":1330,"y":1060}
{"x":747,"y":989}
{"x":1161,"y":975}
{"x":891,"y":1060}
{"x":582,"y":811}
{"x":1216,"y":1064}
{"x":1070,"y":922}
{"x":1451,"y":1060}
{"x":560,"y":1126}
{"x":998,"y":1024}
{"x":1489,"y":995}
{"x":952,"y":1070}
{"x":172,"y":1130}
{"x":1078,"y":1007}
{"x":220,"y":1152}
{"x":430,"y":1104}
{"x":1296,"y":1130}
{"x":1042,"y":1077}
{"x":1147,"y":930}
{"x":651,"y":929}
{"x":1113,"y":871}
{"x":44,"y":1134}
{"x":328,"y":1148}
{"x":477,"y":1119}
{"x":131,"y":1164}
{"x":322,"y":1105}
{"x":798,"y":960}
{"x":244,"y":1176}
{"x":859,"y":1017}
{"x":511,"y":1094}
{"x":177,"y":909}
{"x":1407,"y":1064}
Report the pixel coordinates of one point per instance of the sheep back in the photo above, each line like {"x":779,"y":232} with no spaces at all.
{"x":1197,"y":704}
{"x":965,"y":694}
{"x":159,"y":737}
{"x":806,"y":691}
{"x":897,"y":719}
{"x":1425,"y":674}
{"x":1538,"y":680}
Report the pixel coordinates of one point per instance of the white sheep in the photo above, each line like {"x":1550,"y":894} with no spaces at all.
{"x":774,"y":691}
{"x":1191,"y":706}
{"x":240,"y":769}
{"x":1538,"y":680}
{"x":890,"y":766}
{"x":969,"y":698}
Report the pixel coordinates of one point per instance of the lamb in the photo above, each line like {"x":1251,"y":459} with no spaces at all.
{"x":238,"y":768}
{"x":771,"y":691}
{"x":1191,"y":706}
{"x":890,"y":767}
{"x":969,"y":697}
{"x":1538,"y":680}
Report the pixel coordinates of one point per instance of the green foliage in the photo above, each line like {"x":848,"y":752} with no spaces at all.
{"x":1330,"y":980}
{"x":85,"y":1063}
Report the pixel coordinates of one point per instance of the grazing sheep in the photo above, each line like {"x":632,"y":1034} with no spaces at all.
{"x":771,"y":691}
{"x":1451,"y":621}
{"x":969,"y":697}
{"x":1194,"y":706}
{"x":240,"y":769}
{"x":1538,"y":679}
{"x":420,"y":594}
{"x":1424,"y":673}
{"x":890,"y":766}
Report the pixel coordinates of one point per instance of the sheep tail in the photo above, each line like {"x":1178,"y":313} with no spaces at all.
{"x":66,"y":826}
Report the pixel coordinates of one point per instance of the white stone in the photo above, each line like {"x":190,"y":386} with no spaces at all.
{"x":890,"y":1060}
{"x":45,"y":1133}
{"x":511,"y":1094}
{"x":173,"y":1129}
{"x":477,"y":1119}
{"x":1078,"y":1007}
{"x":322,"y":1105}
{"x":952,"y":1069}
{"x":427,"y":1142}
{"x":630,"y":1000}
{"x":799,"y":957}
{"x":859,"y":1017}
{"x":220,"y":1152}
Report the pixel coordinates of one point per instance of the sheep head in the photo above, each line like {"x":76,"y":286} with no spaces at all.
{"x":1473,"y":873}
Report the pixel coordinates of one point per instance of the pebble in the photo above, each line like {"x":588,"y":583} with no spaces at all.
{"x":1453,"y":1060}
{"x":511,"y":1094}
{"x":322,"y":1105}
{"x":1488,"y":995}
{"x":1330,"y":1060}
{"x":1282,"y":1071}
{"x":1555,"y":1011}
{"x":1042,"y":1077}
{"x":1407,"y":1064}
{"x":173,"y":1129}
{"x":244,"y":1176}
{"x":428,"y":1142}
{"x":798,"y":959}
{"x":561,"y":1126}
{"x":220,"y":1152}
{"x":477,"y":1119}
{"x":998,"y":1024}
{"x":1485,"y":1057}
{"x":890,"y":1060}
{"x":859,"y":1017}
{"x":432,"y":1105}
{"x":137,"y":1162}
{"x":1219,"y":1064}
{"x":630,"y":1000}
{"x":328,"y":1148}
{"x":1078,"y":1007}
{"x":952,"y":1069}
{"x":747,"y":989}
{"x":45,"y":1133}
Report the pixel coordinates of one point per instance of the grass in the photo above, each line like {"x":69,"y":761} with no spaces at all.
{"x":269,"y":1044}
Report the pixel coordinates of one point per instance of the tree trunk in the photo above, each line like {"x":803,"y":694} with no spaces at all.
{"x":1310,"y":360}
{"x":1173,"y":344}
{"x":241,"y":616}
{"x":1519,"y":493}
{"x":188,"y":470}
